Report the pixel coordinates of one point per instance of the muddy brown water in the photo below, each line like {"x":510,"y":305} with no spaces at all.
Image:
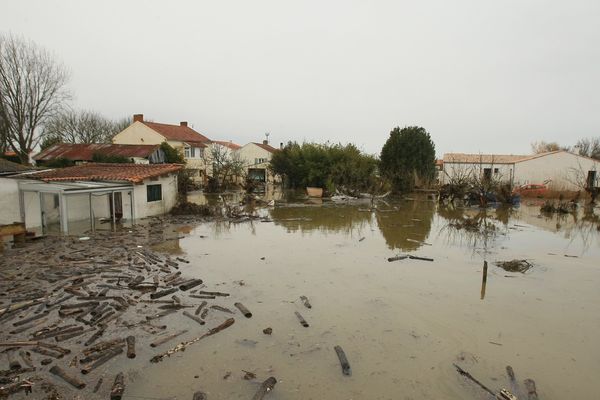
{"x":402,"y":324}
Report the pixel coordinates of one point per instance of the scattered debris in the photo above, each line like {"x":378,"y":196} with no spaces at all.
{"x":268,"y":331}
{"x":243,"y":310}
{"x":305,"y":301}
{"x":265,"y":388}
{"x":118,"y":388}
{"x":301,"y":319}
{"x":521,"y":266}
{"x":343,"y":360}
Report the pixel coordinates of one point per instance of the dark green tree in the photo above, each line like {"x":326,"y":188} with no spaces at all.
{"x":408,"y":158}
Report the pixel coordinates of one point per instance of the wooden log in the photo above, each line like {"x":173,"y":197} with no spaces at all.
{"x":47,"y":352}
{"x":219,"y":308}
{"x":54,"y":347}
{"x":176,"y":299}
{"x":103,"y":346}
{"x":265,"y":388}
{"x":243,"y":310}
{"x":165,"y":339}
{"x":94,"y":337}
{"x":188,"y":285}
{"x":301,"y":319}
{"x":107,"y":356}
{"x":195,"y":318}
{"x":57,"y":332}
{"x":136,"y":281}
{"x":203,"y":296}
{"x":305,"y":302}
{"x":27,"y":327}
{"x":32,"y":318}
{"x":397,"y":258}
{"x":84,"y":304}
{"x":130,"y":340}
{"x":98,"y":384}
{"x":420,"y":258}
{"x":19,"y":344}
{"x":343,"y":360}
{"x":200,"y":307}
{"x":531,"y":389}
{"x":61,"y":373}
{"x":160,"y":314}
{"x":162,"y":293}
{"x":511,"y":373}
{"x":67,"y":336}
{"x":219,"y":294}
{"x":118,"y":387}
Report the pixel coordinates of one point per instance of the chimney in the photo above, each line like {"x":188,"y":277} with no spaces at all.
{"x":138,"y":117}
{"x":265,"y":141}
{"x":183,"y":123}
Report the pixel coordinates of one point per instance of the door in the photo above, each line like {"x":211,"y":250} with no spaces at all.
{"x":591,"y":179}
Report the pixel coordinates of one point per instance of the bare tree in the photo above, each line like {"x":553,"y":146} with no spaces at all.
{"x":32,"y":89}
{"x":80,"y":126}
{"x":226,"y":164}
{"x":589,"y":147}
{"x":544,"y":147}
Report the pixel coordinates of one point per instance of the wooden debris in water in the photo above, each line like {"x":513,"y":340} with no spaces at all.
{"x":343,"y":360}
{"x":265,"y":388}
{"x":243,"y":310}
{"x":301,"y":319}
{"x":305,"y":301}
{"x":118,"y":387}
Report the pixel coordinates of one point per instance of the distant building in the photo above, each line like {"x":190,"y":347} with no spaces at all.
{"x":59,"y":198}
{"x":83,"y":153}
{"x":257,"y":157}
{"x":561,"y":170}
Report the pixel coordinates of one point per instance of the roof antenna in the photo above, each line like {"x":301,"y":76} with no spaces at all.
{"x":267,"y":135}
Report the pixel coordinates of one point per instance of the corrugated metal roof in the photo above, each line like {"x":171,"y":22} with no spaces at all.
{"x":135,"y":173}
{"x":85,"y":152}
{"x":9,"y":166}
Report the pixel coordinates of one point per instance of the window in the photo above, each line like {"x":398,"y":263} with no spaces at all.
{"x":496,"y":170}
{"x":198,"y":152}
{"x":187,"y":152}
{"x":260,"y":160}
{"x":154,"y":193}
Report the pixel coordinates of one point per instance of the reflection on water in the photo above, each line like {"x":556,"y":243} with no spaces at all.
{"x":407,"y":225}
{"x":402,"y":324}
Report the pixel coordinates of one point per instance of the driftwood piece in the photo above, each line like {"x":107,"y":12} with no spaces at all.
{"x":182,"y":346}
{"x":220,"y":294}
{"x":166,"y":338}
{"x":473,"y":379}
{"x":397,"y":258}
{"x":200,"y":307}
{"x":102,"y":346}
{"x":301,"y":319}
{"x":33,"y":318}
{"x":305,"y":302}
{"x":47,"y":352}
{"x":265,"y":388}
{"x":163,"y":293}
{"x":190,"y":284}
{"x":105,"y":357}
{"x":243,"y":310}
{"x":72,"y":380}
{"x":94,"y":337}
{"x":98,"y":384}
{"x":195,"y":318}
{"x":343,"y":360}
{"x":118,"y":387}
{"x":130,"y":340}
{"x":55,"y":347}
{"x":219,"y":308}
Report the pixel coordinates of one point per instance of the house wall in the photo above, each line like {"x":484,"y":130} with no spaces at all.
{"x":455,"y":170}
{"x":9,"y":201}
{"x":561,"y":168}
{"x":250,"y":152}
{"x":144,"y":209}
{"x":138,"y":133}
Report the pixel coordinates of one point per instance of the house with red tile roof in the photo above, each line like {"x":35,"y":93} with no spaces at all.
{"x":256,"y":157}
{"x":192,"y":144}
{"x":65,"y":199}
{"x":80,"y":153}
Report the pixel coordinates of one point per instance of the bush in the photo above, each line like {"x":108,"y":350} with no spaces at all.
{"x":324,"y":165}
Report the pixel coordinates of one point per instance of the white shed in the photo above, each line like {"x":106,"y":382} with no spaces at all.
{"x":561,"y":170}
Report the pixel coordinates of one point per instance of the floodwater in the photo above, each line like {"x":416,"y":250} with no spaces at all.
{"x":402,"y":324}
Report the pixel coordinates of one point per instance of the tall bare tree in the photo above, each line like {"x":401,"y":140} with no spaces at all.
{"x":589,"y":147}
{"x":80,"y":126}
{"x":32,"y":89}
{"x":544,"y":147}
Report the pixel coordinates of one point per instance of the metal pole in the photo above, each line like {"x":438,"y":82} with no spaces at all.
{"x":114,"y":214}
{"x":40,"y":194}
{"x":64,"y":217}
{"x":91,"y":213}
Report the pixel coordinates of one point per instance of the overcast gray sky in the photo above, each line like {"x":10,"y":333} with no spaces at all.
{"x":480,"y":76}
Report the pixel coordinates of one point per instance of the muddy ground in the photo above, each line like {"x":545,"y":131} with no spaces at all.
{"x":402,"y":324}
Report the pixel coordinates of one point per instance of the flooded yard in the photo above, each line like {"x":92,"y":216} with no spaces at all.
{"x":402,"y":324}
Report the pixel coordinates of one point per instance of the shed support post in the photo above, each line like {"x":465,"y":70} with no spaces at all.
{"x":114,"y":211}
{"x":64,"y":215}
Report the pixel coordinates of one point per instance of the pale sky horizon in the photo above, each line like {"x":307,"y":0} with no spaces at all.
{"x":480,"y":76}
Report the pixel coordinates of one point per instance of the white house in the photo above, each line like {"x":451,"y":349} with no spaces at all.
{"x":256,"y":157}
{"x":561,"y":170}
{"x":61,"y":198}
